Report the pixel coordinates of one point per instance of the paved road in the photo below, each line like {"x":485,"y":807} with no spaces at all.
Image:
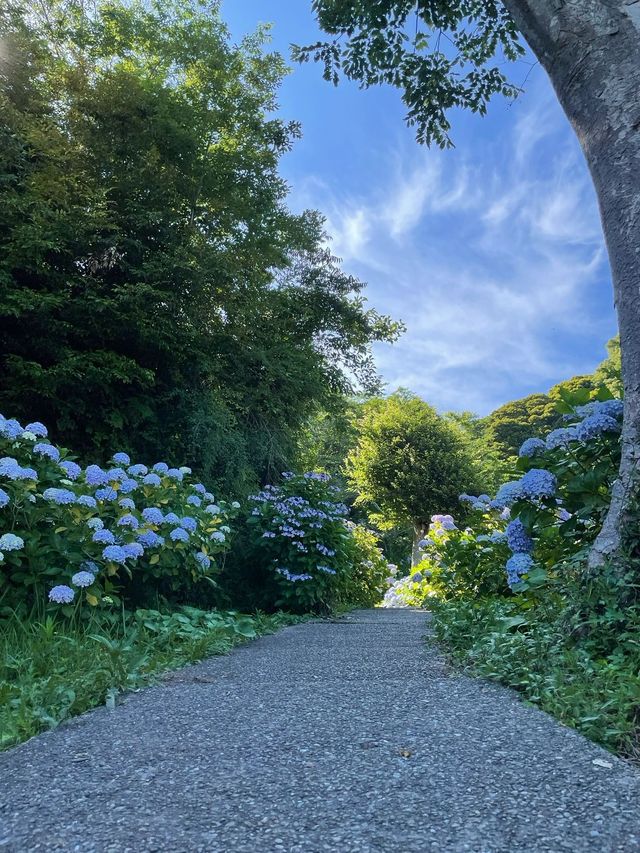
{"x":330,"y":736}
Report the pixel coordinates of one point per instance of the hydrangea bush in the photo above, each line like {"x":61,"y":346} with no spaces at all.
{"x":72,"y":535}
{"x":310,"y":555}
{"x":539,"y":524}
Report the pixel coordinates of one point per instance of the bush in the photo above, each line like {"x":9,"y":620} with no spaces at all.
{"x":303,"y":554}
{"x":539,"y":527}
{"x":100,"y":536}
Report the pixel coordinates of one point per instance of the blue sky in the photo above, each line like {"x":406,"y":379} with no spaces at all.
{"x":492,"y":253}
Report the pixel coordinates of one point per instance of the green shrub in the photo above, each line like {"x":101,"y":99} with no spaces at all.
{"x":95,"y":536}
{"x":302,"y":554}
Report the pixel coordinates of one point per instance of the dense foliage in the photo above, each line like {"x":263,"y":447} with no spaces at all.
{"x":407,"y":461}
{"x":304,"y":554}
{"x":101,"y":535}
{"x":155,"y":293}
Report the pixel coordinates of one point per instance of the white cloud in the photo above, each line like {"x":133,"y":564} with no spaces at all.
{"x":492,"y":255}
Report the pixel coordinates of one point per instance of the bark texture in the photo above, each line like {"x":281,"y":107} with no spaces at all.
{"x":591,"y":52}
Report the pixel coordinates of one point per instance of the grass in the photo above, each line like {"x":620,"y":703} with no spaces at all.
{"x":54,"y":669}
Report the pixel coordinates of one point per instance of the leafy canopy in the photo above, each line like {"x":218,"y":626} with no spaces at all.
{"x":441,"y":54}
{"x":156,"y":294}
{"x":408,"y":463}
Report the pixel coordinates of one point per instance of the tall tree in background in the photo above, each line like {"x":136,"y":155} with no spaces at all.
{"x":156,"y":294}
{"x":408,"y":463}
{"x":448,"y":53}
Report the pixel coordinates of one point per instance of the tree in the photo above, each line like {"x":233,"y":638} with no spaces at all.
{"x":448,"y":53}
{"x":609,"y":371}
{"x":408,"y":463}
{"x":156,"y":294}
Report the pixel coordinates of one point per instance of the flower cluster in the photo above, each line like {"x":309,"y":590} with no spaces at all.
{"x":79,"y":528}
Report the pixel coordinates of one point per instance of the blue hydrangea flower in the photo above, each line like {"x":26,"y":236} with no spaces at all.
{"x":517,"y":565}
{"x":171,"y":518}
{"x":117,"y":475}
{"x":189,"y":523}
{"x":560,"y":437}
{"x":175,"y":474}
{"x":161,"y":467}
{"x":153,"y":515}
{"x":127,"y":486}
{"x":114,"y":553}
{"x":11,"y":542}
{"x":106,"y":494}
{"x":95,"y":524}
{"x":517,"y":537}
{"x":179,"y":534}
{"x":596,"y":425}
{"x":508,"y":493}
{"x":95,"y":476}
{"x":88,"y":501}
{"x":184,"y":469}
{"x":150,"y":539}
{"x":128,"y":520}
{"x":37,"y":429}
{"x":10,"y":428}
{"x":538,"y":483}
{"x":48,"y":450}
{"x":133,"y":550}
{"x":82,"y":579}
{"x":194,"y":500}
{"x":61,"y":594}
{"x":137,"y":470}
{"x":328,"y":570}
{"x":105,"y":537}
{"x":207,"y":496}
{"x":71,"y":469}
{"x":217,"y":536}
{"x":126,"y":503}
{"x":152,"y":480}
{"x":61,"y":497}
{"x":612,"y":408}
{"x":4,"y":498}
{"x":213,"y":509}
{"x":8,"y":465}
{"x":609,"y":408}
{"x":90,"y":566}
{"x":11,"y":469}
{"x":563,"y":515}
{"x":121,"y":459}
{"x":532,"y":447}
{"x":199,"y":488}
{"x":290,"y":576}
{"x":203,"y":559}
{"x":497,"y":537}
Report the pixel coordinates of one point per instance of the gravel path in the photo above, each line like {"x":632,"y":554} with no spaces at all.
{"x":329,"y":736}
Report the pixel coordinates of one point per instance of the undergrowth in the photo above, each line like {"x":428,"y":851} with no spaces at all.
{"x":576,"y":654}
{"x":52,"y":670}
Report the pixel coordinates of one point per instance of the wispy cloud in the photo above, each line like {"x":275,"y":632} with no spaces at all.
{"x":491,"y":254}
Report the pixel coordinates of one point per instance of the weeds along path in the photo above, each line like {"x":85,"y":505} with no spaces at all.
{"x":347,"y":735}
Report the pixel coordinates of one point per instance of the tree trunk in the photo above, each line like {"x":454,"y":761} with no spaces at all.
{"x":419,"y":530}
{"x":591,"y":51}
